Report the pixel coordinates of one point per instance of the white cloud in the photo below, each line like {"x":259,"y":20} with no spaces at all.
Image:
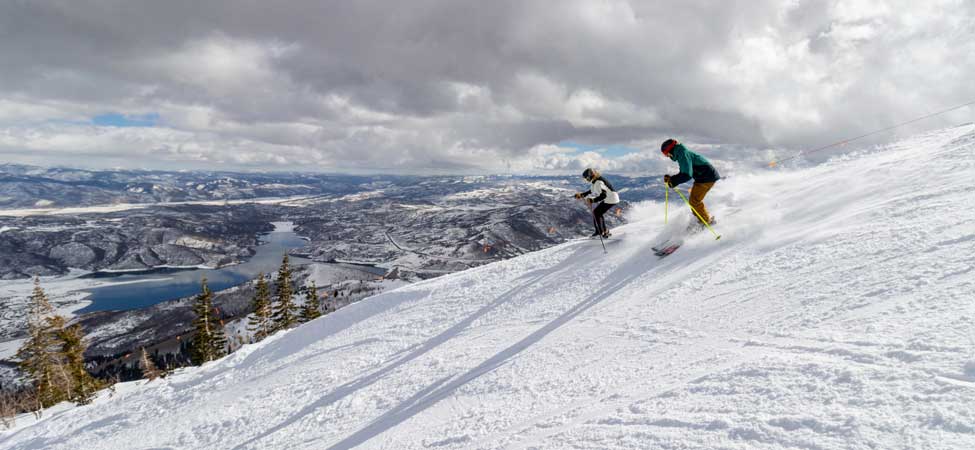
{"x":444,"y":86}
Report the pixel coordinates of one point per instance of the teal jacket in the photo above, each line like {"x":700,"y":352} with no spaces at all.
{"x":693,"y":166}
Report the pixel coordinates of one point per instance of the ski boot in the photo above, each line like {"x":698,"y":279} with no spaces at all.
{"x":697,"y":226}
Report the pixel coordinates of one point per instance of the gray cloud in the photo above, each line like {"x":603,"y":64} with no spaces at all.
{"x":467,"y":86}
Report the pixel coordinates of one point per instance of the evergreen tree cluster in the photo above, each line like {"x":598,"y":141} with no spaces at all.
{"x":270,"y":313}
{"x":280,"y":311}
{"x":285,"y":311}
{"x":260,"y":323}
{"x":52,"y":357}
{"x":312,"y":308}
{"x":209,"y":342}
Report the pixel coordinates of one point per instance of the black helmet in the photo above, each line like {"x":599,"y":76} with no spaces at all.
{"x":668,"y":146}
{"x":588,"y":174}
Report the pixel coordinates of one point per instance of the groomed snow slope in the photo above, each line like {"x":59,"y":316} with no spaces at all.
{"x":836,"y":312}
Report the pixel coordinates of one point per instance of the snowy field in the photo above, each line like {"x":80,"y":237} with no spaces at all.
{"x":836,"y":312}
{"x":102,"y":209}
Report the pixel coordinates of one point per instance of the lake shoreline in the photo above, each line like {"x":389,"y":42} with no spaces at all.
{"x":160,"y":284}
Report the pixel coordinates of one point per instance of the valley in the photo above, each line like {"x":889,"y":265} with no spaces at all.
{"x":129,"y":271}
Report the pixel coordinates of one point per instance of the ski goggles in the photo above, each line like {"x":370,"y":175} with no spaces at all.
{"x":669,"y":147}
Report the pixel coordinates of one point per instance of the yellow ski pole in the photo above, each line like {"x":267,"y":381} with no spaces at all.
{"x":666,"y":202}
{"x":681,"y":194}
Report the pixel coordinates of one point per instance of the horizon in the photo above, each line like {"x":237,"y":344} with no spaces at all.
{"x":316,"y":173}
{"x":772,"y":160}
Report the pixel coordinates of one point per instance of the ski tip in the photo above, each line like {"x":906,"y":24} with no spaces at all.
{"x":719,"y":237}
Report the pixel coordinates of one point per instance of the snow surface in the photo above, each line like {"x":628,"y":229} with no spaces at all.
{"x":836,"y":312}
{"x":9,"y":348}
{"x":101,"y":209}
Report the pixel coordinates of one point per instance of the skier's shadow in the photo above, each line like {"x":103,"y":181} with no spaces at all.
{"x":432,"y":393}
{"x":443,"y":388}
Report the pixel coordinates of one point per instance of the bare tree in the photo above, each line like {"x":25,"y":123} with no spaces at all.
{"x":149,"y":369}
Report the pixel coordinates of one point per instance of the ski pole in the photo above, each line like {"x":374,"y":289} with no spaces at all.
{"x":681,"y":194}
{"x":593,"y":212}
{"x":666,"y":202}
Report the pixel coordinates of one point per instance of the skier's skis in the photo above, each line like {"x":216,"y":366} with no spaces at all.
{"x":662,"y":252}
{"x":596,"y":237}
{"x":668,"y":246}
{"x":611,"y":238}
{"x":671,"y":244}
{"x":664,"y":244}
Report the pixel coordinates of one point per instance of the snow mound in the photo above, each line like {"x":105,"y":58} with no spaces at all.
{"x":835,"y":312}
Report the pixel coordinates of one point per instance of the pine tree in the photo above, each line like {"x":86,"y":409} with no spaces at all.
{"x":40,"y":357}
{"x":260,"y":321}
{"x":82,"y":385}
{"x":285,"y":311}
{"x":208,"y":342}
{"x":312,"y":309}
{"x":149,"y":369}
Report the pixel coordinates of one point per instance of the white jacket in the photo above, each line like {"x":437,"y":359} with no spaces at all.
{"x":598,"y":187}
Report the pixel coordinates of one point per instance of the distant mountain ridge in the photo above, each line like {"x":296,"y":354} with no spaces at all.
{"x":37,"y":187}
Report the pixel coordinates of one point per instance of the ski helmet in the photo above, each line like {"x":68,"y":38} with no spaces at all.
{"x":668,"y":146}
{"x":590,"y":174}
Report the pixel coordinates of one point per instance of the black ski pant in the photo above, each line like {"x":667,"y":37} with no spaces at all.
{"x":597,"y":217}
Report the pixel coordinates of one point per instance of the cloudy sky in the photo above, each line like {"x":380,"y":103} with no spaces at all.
{"x":427,"y":86}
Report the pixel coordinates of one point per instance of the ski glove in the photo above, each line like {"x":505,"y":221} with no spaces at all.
{"x":578,"y":195}
{"x":667,"y":181}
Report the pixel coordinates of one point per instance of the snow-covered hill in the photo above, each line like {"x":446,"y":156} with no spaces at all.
{"x":836,"y":312}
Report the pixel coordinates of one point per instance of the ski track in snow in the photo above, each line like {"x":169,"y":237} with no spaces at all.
{"x":836,"y":312}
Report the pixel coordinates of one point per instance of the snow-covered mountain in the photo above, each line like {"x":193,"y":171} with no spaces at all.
{"x":424,"y":225}
{"x":837,"y":311}
{"x":36,"y":187}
